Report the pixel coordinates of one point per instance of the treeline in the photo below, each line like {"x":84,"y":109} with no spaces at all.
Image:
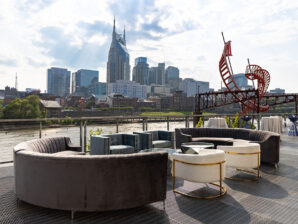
{"x":22,"y":108}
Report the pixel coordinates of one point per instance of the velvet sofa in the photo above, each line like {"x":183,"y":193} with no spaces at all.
{"x":269,"y":141}
{"x":46,"y":177}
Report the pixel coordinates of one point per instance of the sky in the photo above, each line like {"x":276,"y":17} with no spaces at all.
{"x":39,"y":34}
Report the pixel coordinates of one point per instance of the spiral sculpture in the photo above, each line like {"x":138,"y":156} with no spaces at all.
{"x":253,"y":72}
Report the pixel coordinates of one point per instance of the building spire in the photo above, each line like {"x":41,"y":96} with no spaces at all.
{"x":124,"y":36}
{"x":16,"y":82}
{"x":114,"y":30}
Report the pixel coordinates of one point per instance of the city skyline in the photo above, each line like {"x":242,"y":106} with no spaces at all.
{"x":33,"y":40}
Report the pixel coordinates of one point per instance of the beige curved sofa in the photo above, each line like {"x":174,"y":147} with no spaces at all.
{"x":51,"y":173}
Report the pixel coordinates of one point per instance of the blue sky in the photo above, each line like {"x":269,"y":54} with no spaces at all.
{"x":38,"y":34}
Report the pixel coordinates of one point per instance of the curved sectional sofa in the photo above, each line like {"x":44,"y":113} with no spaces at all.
{"x":269,"y":141}
{"x":51,"y":173}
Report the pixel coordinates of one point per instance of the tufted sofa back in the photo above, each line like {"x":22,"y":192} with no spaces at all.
{"x":45,"y":145}
{"x":237,"y":133}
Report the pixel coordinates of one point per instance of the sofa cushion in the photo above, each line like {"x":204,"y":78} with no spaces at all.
{"x":115,"y":139}
{"x":154,"y":135}
{"x":121,"y":149}
{"x":191,"y":151}
{"x":69,"y":152}
{"x":201,"y":139}
{"x":161,"y":144}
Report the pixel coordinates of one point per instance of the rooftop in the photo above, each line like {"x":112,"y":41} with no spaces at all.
{"x":273,"y":200}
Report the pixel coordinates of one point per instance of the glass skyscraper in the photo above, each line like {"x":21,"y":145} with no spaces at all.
{"x":140,"y":73}
{"x":83,"y":78}
{"x":118,"y":67}
{"x":172,"y":73}
{"x":58,"y":81}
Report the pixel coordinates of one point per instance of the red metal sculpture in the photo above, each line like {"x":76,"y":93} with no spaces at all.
{"x":253,"y":72}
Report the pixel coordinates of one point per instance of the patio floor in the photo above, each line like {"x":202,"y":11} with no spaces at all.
{"x":273,"y":200}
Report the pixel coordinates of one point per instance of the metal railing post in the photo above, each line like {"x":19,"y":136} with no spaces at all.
{"x":143,"y":124}
{"x":168,"y":123}
{"x":40,"y":129}
{"x":81,"y":132}
{"x":117,"y":126}
{"x":186,"y":122}
{"x":146,"y":124}
{"x":85,"y":135}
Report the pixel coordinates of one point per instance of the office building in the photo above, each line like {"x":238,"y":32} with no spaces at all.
{"x":157,"y":74}
{"x":172,"y":73}
{"x":191,"y":87}
{"x":99,"y":89}
{"x":242,"y":82}
{"x":83,"y":78}
{"x":140,"y":72}
{"x":277,"y":90}
{"x":58,"y":81}
{"x":118,"y":67}
{"x":127,"y":88}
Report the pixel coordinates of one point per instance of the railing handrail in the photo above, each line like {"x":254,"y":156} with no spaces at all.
{"x":134,"y":117}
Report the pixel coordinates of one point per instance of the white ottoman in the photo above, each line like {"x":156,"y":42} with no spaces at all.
{"x":243,"y":156}
{"x":206,"y":167}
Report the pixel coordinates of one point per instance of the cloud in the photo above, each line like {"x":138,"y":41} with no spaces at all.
{"x":34,"y":62}
{"x":8,"y":62}
{"x":201,"y":58}
{"x":154,"y":26}
{"x":132,"y":11}
{"x":57,"y":45}
{"x":31,"y":6}
{"x":95,"y":27}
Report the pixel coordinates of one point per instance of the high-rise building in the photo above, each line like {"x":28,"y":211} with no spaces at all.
{"x":127,"y":88}
{"x":171,"y":73}
{"x":241,"y":81}
{"x":99,"y":89}
{"x":118,"y":67}
{"x":140,"y":73}
{"x":157,"y":74}
{"x":161,"y":66}
{"x":277,"y":90}
{"x":58,"y":81}
{"x":83,"y":78}
{"x":191,"y":87}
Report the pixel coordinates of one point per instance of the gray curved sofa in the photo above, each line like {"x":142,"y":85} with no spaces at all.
{"x":269,"y":141}
{"x":51,"y":173}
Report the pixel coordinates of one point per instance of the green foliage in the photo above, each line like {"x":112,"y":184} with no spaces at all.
{"x":235,"y":121}
{"x":90,"y":103}
{"x":1,"y":109}
{"x":70,"y":108}
{"x":122,"y":108}
{"x":67,"y":121}
{"x":23,"y":108}
{"x":97,"y":131}
{"x":200,"y":123}
{"x":227,"y":120}
{"x":147,"y":108}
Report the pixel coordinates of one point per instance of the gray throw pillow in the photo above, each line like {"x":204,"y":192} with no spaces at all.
{"x":191,"y":151}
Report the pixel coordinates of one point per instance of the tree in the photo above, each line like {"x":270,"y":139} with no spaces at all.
{"x":23,"y":108}
{"x":1,"y":109}
{"x":13,"y":110}
{"x":34,"y":110}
